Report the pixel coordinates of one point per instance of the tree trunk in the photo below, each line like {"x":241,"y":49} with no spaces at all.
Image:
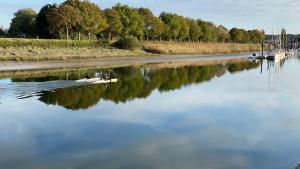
{"x":109,"y":36}
{"x":79,"y":36}
{"x":67,"y":33}
{"x":89,"y":36}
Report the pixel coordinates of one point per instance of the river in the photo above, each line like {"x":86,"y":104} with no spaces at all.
{"x":227,"y":115}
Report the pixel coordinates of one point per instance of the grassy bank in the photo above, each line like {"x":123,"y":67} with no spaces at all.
{"x":198,"y":48}
{"x":51,"y":43}
{"x":32,"y":53}
{"x":38,"y":49}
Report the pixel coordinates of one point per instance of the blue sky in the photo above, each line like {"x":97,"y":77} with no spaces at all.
{"x":262,"y":14}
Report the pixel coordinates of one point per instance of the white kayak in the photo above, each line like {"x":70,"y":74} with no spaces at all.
{"x":96,"y":80}
{"x":104,"y":81}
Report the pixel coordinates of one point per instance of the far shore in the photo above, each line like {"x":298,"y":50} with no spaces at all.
{"x":25,"y":54}
{"x":51,"y":49}
{"x":108,"y":62}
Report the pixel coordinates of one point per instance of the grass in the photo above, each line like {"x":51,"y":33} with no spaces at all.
{"x":42,"y":49}
{"x":18,"y":42}
{"x":197,"y":48}
{"x":32,"y":53}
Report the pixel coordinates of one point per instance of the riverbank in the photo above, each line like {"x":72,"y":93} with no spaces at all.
{"x":118,"y":61}
{"x":46,"y":50}
{"x":24,"y":73}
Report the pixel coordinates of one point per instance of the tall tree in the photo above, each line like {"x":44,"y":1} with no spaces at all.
{"x":245,"y":36}
{"x":93,"y":19}
{"x":223,"y":34}
{"x":2,"y":32}
{"x":236,"y":35}
{"x":206,"y":30}
{"x":195,"y":32}
{"x":73,"y":3}
{"x":114,"y":23}
{"x":23,"y":23}
{"x":153,"y":27}
{"x":133,"y":23}
{"x":65,"y":18}
{"x":184,"y":28}
{"x":172,"y":23}
{"x":158,"y":29}
{"x":42,"y":25}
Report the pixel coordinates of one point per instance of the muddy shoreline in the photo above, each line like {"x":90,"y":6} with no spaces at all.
{"x":121,"y":61}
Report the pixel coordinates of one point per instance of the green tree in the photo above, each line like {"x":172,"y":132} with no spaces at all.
{"x":158,"y":29}
{"x":93,"y":20}
{"x":172,"y":23}
{"x":206,"y":30}
{"x":133,"y":23}
{"x":245,"y":36}
{"x":153,"y":26}
{"x":23,"y":23}
{"x":184,"y":28}
{"x":114,"y":23}
{"x":209,"y":30}
{"x":252,"y":36}
{"x":2,"y":32}
{"x":65,"y":18}
{"x":73,"y":3}
{"x":195,"y":32}
{"x":236,"y":35}
{"x":42,"y":25}
{"x":257,"y":36}
{"x":222,"y":34}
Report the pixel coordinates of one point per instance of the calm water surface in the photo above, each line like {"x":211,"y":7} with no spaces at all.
{"x":227,"y":116}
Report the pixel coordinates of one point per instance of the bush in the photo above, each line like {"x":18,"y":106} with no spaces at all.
{"x":129,"y":43}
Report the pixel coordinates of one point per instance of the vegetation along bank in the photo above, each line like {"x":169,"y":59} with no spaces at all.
{"x":38,"y":49}
{"x":88,"y":29}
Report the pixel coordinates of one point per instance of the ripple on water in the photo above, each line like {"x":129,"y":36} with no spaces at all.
{"x":23,"y":90}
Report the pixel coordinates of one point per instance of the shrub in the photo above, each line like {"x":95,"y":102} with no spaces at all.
{"x":129,"y":43}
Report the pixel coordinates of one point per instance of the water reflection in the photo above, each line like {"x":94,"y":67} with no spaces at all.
{"x":135,"y":82}
{"x":228,"y":122}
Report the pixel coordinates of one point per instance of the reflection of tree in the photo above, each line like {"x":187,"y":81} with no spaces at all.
{"x":136,"y":83}
{"x":75,"y":97}
{"x":53,"y":75}
{"x":236,"y":67}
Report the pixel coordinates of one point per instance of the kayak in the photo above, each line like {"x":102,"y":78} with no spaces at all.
{"x":85,"y":80}
{"x":103,"y":81}
{"x":97,"y":81}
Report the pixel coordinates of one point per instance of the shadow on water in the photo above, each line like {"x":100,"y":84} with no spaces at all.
{"x":137,"y":82}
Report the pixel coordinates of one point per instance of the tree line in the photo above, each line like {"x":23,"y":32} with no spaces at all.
{"x":76,"y":19}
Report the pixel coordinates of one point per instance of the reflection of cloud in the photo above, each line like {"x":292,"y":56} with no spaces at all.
{"x":230,"y":122}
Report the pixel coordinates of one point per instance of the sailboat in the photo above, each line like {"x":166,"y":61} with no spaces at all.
{"x":279,"y":52}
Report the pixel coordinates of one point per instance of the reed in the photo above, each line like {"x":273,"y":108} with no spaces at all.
{"x":197,"y":48}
